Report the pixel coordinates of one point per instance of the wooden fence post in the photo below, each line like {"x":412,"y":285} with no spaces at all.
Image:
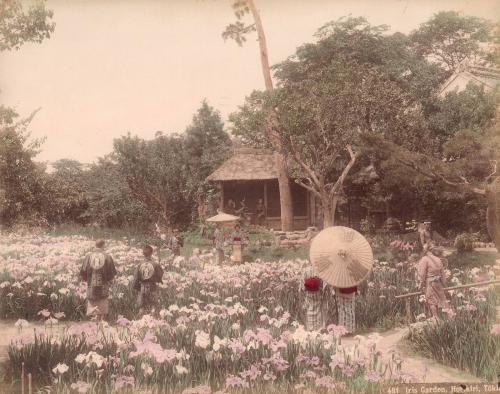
{"x":408,"y":310}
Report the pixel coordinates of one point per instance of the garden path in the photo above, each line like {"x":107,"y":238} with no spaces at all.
{"x":424,"y":369}
{"x":391,"y":340}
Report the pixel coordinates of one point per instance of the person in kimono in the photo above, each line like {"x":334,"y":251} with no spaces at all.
{"x":312,"y":285}
{"x":218,"y":240}
{"x":425,"y":234}
{"x":98,"y":270}
{"x":146,"y":277}
{"x":431,"y":277}
{"x":260,"y":212}
{"x":231,"y":207}
{"x":346,"y":307}
{"x":175,"y":243}
{"x":195,"y":261}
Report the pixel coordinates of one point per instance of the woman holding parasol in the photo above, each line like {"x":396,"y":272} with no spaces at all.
{"x":343,"y":258}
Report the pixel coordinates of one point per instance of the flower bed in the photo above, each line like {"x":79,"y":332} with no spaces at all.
{"x":221,"y":327}
{"x":467,"y":338}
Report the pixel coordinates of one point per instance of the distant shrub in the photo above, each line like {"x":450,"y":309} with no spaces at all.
{"x":367,"y":226}
{"x":392,"y":225}
{"x":464,"y":243}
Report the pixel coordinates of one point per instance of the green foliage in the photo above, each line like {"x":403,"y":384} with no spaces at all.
{"x":110,"y":201}
{"x":469,"y":109}
{"x":155,"y":172}
{"x":18,"y":26}
{"x":167,"y":174}
{"x":206,"y":146}
{"x":22,"y":183}
{"x":367,"y":226}
{"x":470,"y":259}
{"x":464,"y":243}
{"x":392,"y":225}
{"x":238,"y":30}
{"x":67,"y":192}
{"x":448,"y":38}
{"x":464,"y":341}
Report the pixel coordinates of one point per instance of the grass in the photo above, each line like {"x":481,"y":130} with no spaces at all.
{"x":463,"y":342}
{"x":471,"y":259}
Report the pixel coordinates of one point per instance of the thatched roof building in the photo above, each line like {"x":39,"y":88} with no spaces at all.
{"x":246,"y":165}
{"x":249,"y":178}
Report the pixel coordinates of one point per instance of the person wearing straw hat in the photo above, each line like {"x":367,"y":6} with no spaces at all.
{"x":313,"y":307}
{"x":430,"y":273}
{"x":343,"y":258}
{"x":98,"y":270}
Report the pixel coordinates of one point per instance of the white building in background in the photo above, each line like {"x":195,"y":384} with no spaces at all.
{"x":488,"y":77}
{"x":481,"y":73}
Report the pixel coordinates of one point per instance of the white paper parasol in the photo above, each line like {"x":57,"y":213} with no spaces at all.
{"x":342,"y":256}
{"x":223,"y":219}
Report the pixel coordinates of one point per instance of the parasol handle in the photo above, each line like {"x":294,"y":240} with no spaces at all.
{"x":342,"y":253}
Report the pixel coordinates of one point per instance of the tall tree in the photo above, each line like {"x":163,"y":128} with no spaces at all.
{"x":467,"y":164}
{"x":110,"y":201}
{"x":156,"y":174}
{"x":207,"y":145}
{"x":448,"y":38}
{"x":323,"y":110}
{"x":237,"y":31}
{"x":22,"y":192}
{"x":22,"y":189}
{"x":67,"y":185}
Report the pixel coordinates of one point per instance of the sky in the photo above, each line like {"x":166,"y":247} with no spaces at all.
{"x":141,"y":66}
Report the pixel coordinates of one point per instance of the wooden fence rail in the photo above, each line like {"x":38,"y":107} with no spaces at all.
{"x":407,"y":296}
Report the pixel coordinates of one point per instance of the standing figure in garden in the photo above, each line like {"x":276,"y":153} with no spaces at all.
{"x":231,"y":207}
{"x":98,"y":270}
{"x":175,"y":243}
{"x":431,"y":275}
{"x":313,"y":287}
{"x":147,"y":275}
{"x":218,"y":240}
{"x":260,"y":212}
{"x":425,"y":233}
{"x":346,"y":307}
{"x":195,"y":261}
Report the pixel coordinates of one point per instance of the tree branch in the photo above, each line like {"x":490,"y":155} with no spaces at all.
{"x":495,"y":163}
{"x":436,"y":176}
{"x":310,"y":188}
{"x":301,"y":162}
{"x":346,"y":170}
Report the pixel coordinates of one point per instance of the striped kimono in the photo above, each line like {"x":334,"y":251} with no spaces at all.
{"x":346,"y":307}
{"x":313,"y":306}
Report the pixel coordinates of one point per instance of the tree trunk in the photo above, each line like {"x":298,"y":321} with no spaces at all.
{"x":329,"y":207}
{"x":283,"y":179}
{"x":285,"y":194}
{"x":201,"y":213}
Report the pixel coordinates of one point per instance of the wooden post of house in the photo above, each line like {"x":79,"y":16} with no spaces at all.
{"x":221,"y":202}
{"x":265,"y":203}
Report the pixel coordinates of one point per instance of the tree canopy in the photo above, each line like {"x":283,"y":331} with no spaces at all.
{"x":18,"y":26}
